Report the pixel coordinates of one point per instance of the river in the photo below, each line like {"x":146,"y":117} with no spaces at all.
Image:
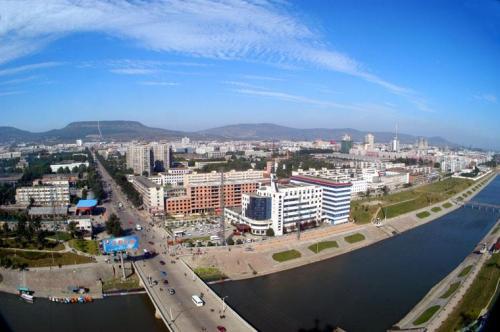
{"x":368,"y":289}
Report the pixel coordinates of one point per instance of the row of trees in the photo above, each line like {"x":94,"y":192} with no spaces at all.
{"x":117,"y":172}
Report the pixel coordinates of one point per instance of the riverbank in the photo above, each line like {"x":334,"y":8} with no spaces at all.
{"x":239,"y":262}
{"x":439,"y":302}
{"x":54,"y":281}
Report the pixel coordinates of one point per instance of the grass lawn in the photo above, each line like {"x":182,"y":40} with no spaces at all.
{"x":452,"y":289}
{"x":447,"y":205}
{"x":469,"y":192}
{"x":41,"y":259}
{"x":465,"y":271}
{"x":423,"y":214}
{"x":115,"y":284}
{"x":426,"y":315}
{"x":362,"y":212}
{"x":60,"y":236}
{"x":410,"y":200}
{"x":354,"y":238}
{"x":459,"y":198}
{"x":286,"y":255}
{"x":317,"y":247}
{"x":476,"y":297}
{"x":87,"y":246}
{"x":209,"y":273}
{"x":436,"y":209}
{"x":48,"y":245}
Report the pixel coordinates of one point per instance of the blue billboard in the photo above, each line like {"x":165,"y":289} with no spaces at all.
{"x":120,"y":244}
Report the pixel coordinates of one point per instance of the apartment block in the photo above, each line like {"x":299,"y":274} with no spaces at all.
{"x":44,"y":195}
{"x":152,"y":195}
{"x":203,"y":191}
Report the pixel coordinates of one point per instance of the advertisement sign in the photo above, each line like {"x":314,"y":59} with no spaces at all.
{"x":120,"y":244}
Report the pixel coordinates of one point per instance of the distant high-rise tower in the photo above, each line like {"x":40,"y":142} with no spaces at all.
{"x":162,"y":156}
{"x":369,"y":142}
{"x":346,"y":144}
{"x":395,"y":141}
{"x":140,"y":158}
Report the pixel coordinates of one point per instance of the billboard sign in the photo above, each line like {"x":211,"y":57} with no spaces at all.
{"x":123,"y":243}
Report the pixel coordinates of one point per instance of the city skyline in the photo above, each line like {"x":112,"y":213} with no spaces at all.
{"x":304,"y":66}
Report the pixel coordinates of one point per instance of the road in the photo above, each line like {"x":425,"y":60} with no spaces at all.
{"x":179,"y":308}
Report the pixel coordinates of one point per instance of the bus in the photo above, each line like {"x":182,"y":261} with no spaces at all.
{"x":214,"y":238}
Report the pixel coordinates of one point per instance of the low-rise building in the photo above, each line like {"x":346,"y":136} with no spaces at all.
{"x":44,"y":195}
{"x":67,"y":165}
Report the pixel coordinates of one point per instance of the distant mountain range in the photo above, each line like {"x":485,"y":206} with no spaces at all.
{"x":126,"y":130}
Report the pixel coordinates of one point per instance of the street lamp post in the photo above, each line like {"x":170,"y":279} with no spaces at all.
{"x":224,"y":304}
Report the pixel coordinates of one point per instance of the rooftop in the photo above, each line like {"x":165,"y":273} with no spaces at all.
{"x":145,"y":182}
{"x":86,"y":203}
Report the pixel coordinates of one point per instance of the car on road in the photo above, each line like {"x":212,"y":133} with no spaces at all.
{"x":163,"y":273}
{"x":197,"y":301}
{"x":151,"y":243}
{"x":138,"y":227}
{"x":221,"y":328}
{"x":162,"y":262}
{"x":171,"y":291}
{"x":165,"y":282}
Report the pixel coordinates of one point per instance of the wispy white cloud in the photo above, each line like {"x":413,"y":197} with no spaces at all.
{"x":19,"y":80}
{"x":158,"y":83}
{"x":252,"y":30}
{"x":311,"y":101}
{"x":487,"y":97}
{"x":262,"y":78}
{"x":243,"y":84}
{"x":10,"y":93}
{"x":27,"y":68}
{"x":133,"y":71}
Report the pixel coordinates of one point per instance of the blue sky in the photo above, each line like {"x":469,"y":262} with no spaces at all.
{"x":433,"y":67}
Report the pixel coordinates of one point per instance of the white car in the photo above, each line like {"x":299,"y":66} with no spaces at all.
{"x":138,"y":227}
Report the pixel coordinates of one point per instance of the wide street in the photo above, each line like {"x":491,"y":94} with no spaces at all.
{"x":179,"y":308}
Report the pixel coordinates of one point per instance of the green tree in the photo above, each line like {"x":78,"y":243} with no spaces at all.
{"x":113,"y":225}
{"x":72,"y":228}
{"x":230,"y":241}
{"x":270,"y":232}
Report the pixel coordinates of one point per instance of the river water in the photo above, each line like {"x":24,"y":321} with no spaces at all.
{"x":369,"y":289}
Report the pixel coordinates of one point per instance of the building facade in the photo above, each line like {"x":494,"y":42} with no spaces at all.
{"x":139,"y":159}
{"x":204,"y":191}
{"x":152,"y":194}
{"x":44,"y":195}
{"x":336,"y":198}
